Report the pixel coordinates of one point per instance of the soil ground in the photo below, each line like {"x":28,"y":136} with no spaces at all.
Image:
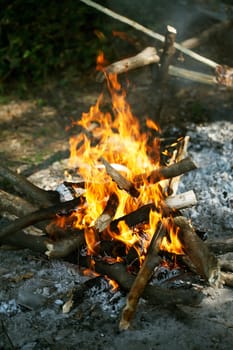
{"x":34,"y":136}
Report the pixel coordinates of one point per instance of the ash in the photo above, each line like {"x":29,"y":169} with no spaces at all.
{"x":211,"y":147}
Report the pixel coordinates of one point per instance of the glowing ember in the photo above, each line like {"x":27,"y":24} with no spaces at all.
{"x":116,"y":136}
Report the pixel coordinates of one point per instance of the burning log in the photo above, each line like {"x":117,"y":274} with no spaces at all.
{"x":151,"y":261}
{"x":35,"y":194}
{"x":40,"y":215}
{"x":121,"y":181}
{"x":176,"y":169}
{"x":106,"y":217}
{"x":203,"y":260}
{"x":141,"y":215}
{"x":143,"y":58}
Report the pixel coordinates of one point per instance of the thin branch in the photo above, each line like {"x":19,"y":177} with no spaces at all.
{"x":149,"y":32}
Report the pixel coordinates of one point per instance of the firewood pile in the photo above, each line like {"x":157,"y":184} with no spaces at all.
{"x":126,"y":245}
{"x":120,"y":214}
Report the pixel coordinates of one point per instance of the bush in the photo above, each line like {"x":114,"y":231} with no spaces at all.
{"x":44,"y":37}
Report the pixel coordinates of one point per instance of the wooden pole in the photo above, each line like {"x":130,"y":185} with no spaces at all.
{"x":149,"y":32}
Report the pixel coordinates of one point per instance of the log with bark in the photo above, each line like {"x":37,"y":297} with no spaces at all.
{"x":202,"y":259}
{"x":143,"y":58}
{"x":145,"y":273}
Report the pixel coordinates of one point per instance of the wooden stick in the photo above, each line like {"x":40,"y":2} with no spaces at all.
{"x":15,"y":205}
{"x":40,"y":215}
{"x":109,"y":211}
{"x":149,"y":32}
{"x":121,"y":181}
{"x":119,"y":67}
{"x":204,"y":261}
{"x":168,"y":172}
{"x":162,"y":76}
{"x":220,"y":246}
{"x":37,"y":195}
{"x":154,"y":294}
{"x":192,"y":75}
{"x":42,"y":244}
{"x":141,"y":215}
{"x":179,"y":154}
{"x":167,"y":55}
{"x":151,"y":261}
{"x":143,"y":58}
{"x":207,"y":34}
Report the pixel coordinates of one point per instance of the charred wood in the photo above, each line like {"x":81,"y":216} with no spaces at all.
{"x":120,"y":180}
{"x":106,"y":217}
{"x":37,"y":216}
{"x":154,"y":294}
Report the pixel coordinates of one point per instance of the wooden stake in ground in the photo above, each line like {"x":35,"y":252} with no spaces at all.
{"x":151,"y":261}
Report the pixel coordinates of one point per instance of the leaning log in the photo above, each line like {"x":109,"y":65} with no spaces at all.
{"x":120,"y":180}
{"x":204,"y":261}
{"x":151,"y":261}
{"x":167,"y":172}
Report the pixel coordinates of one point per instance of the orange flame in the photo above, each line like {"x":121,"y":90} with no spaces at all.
{"x":116,"y":136}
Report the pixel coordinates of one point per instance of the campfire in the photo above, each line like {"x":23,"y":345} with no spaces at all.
{"x":118,"y":210}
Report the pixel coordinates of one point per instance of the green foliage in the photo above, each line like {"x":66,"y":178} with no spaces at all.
{"x":43,"y":37}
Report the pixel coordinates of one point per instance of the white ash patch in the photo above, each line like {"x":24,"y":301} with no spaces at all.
{"x":211,"y":147}
{"x":109,"y":301}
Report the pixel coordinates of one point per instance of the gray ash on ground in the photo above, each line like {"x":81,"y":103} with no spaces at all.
{"x":34,"y":289}
{"x":211,"y":147}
